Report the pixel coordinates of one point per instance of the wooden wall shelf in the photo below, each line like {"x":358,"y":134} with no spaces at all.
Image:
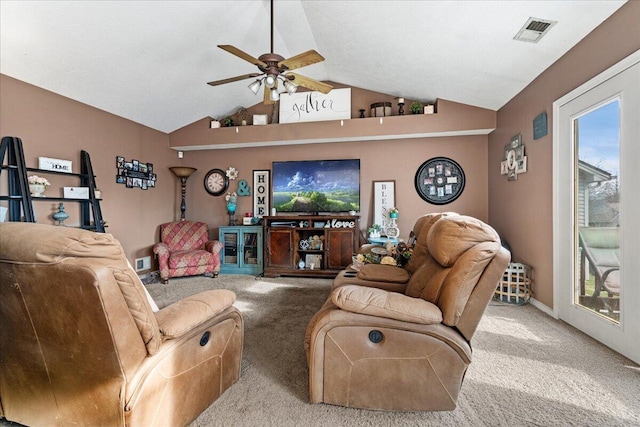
{"x":451,"y":119}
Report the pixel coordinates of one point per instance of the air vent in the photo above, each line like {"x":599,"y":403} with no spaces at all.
{"x":533,"y":30}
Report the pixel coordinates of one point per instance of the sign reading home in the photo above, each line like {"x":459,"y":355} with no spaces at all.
{"x":315,"y":106}
{"x":57,"y":165}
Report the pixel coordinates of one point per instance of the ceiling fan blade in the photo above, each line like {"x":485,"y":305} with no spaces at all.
{"x":302,"y":60}
{"x":233,"y":79}
{"x":309,"y":83}
{"x":240,"y":54}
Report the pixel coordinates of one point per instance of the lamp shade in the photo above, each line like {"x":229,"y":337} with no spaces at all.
{"x":290,"y":87}
{"x":255,"y":86}
{"x":182,"y":171}
{"x":274,"y":95}
{"x":270,"y":81}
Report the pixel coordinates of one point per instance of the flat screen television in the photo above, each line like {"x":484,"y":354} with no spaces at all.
{"x":316,"y":186}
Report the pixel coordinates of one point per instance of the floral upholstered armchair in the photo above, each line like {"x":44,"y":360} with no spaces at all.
{"x":185,"y":250}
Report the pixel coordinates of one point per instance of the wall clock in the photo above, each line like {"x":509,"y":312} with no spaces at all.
{"x":439,"y":180}
{"x":216,"y":182}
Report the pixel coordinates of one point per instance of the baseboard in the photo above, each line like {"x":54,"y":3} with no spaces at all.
{"x":542,"y":307}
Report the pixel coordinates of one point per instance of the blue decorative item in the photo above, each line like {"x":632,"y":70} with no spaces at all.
{"x":540,"y":126}
{"x":60,"y":215}
{"x":243,"y":188}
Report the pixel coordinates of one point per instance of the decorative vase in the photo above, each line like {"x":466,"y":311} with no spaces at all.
{"x":393,"y":215}
{"x":36,"y":190}
{"x":60,"y":215}
{"x":374,"y":234}
{"x":231,"y":210}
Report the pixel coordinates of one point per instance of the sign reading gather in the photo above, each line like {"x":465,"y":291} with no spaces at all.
{"x":315,"y":106}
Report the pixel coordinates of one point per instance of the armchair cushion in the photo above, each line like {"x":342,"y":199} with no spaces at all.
{"x":182,"y":316}
{"x":383,"y":273}
{"x":381,"y":303}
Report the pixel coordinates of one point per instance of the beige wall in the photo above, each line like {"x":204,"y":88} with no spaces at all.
{"x":54,"y":126}
{"x":379,"y":160}
{"x":522,"y":211}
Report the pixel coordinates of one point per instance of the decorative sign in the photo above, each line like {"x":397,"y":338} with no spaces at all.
{"x":55,"y":165}
{"x":439,"y":180}
{"x":261,"y":193}
{"x":135,"y":174}
{"x":540,"y":126}
{"x":315,"y":106}
{"x":384,"y":198}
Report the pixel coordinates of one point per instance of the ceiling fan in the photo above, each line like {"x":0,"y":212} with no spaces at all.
{"x":274,"y":67}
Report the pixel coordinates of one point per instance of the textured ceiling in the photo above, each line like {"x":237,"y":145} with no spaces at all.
{"x":149,"y":61}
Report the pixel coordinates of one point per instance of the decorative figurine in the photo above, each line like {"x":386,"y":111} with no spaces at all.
{"x":60,"y":215}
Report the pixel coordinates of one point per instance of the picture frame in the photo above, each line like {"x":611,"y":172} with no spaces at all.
{"x":439,"y":180}
{"x":315,"y":260}
{"x":261,"y":188}
{"x":521,"y":165}
{"x":259,"y":119}
{"x":384,"y":198}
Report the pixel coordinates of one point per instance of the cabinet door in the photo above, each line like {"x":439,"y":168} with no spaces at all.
{"x":279,"y":248}
{"x":340,"y":248}
{"x":251,"y":248}
{"x":230,"y":237}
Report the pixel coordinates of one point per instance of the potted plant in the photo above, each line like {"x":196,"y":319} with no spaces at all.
{"x":37,"y":185}
{"x":393,"y":212}
{"x":416,"y":107}
{"x":374,"y":231}
{"x":227,"y":122}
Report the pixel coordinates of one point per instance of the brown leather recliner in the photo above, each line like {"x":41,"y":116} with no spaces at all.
{"x":390,"y":277}
{"x":81,"y":345}
{"x":378,"y":349}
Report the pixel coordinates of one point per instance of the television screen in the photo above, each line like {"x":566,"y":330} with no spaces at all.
{"x":316,"y":186}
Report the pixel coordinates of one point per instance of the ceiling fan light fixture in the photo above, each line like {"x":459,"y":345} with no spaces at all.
{"x":274,"y":95}
{"x":291,"y":88}
{"x":255,"y":86}
{"x":270,"y":81}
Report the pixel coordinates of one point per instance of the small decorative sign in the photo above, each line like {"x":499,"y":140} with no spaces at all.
{"x":261,"y":193}
{"x":56,"y":165}
{"x":384,"y":198}
{"x":315,"y":106}
{"x":540,"y":126}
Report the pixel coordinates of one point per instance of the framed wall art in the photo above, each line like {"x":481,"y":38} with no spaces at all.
{"x":384,"y":198}
{"x":261,"y":184}
{"x":439,"y":180}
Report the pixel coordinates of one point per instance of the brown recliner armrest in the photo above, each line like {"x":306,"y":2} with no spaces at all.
{"x":381,"y":303}
{"x":182,"y":316}
{"x":383,"y":273}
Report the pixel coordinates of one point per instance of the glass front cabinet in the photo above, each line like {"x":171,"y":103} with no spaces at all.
{"x":241,"y":250}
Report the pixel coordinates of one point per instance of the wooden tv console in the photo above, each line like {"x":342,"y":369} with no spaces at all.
{"x":324,"y":242}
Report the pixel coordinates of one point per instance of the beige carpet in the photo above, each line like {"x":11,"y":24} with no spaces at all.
{"x":528,"y":369}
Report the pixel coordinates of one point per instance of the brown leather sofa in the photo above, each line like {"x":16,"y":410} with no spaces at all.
{"x":408,"y":351}
{"x":81,"y":345}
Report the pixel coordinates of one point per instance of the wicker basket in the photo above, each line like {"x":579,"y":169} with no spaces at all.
{"x":515,"y":286}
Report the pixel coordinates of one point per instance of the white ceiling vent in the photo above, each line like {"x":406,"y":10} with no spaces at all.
{"x":533,"y":30}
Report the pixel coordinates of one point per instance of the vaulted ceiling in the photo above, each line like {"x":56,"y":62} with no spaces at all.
{"x":149,"y":61}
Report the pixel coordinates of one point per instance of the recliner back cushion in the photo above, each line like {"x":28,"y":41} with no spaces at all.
{"x":34,"y":243}
{"x":459,"y":249}
{"x":421,"y":230}
{"x":184,"y":235}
